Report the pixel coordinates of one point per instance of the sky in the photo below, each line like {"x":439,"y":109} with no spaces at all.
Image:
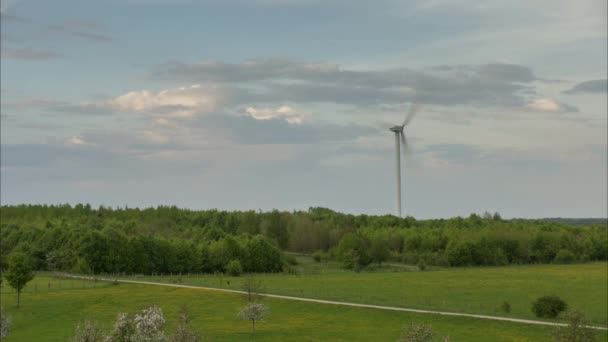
{"x":286,"y":104}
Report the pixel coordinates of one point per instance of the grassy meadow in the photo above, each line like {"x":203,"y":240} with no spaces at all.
{"x":472,"y":290}
{"x":51,"y":315}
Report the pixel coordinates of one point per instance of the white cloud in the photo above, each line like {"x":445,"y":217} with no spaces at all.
{"x":77,"y":140}
{"x":283,"y":112}
{"x":545,"y":105}
{"x":178,"y":102}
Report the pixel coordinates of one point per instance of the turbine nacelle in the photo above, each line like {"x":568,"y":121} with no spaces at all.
{"x":397,"y":129}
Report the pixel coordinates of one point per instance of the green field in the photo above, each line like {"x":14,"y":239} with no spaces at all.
{"x":51,"y":305}
{"x":51,"y":315}
{"x":471,"y":290}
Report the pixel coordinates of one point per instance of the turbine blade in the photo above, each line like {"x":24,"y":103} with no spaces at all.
{"x":414,"y":107}
{"x":405,"y":147}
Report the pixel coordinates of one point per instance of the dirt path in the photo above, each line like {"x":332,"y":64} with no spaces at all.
{"x":357,"y":305}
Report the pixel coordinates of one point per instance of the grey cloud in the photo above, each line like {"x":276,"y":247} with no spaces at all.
{"x":27,"y":53}
{"x":57,"y":162}
{"x":77,"y":28}
{"x":592,"y":86}
{"x":80,"y":28}
{"x":456,"y":153}
{"x":40,"y":155}
{"x":283,"y":79}
{"x":58,"y":106}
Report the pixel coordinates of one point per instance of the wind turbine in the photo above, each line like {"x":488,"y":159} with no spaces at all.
{"x":401,"y":140}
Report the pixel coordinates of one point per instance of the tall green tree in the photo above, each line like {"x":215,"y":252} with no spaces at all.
{"x":19,"y":273}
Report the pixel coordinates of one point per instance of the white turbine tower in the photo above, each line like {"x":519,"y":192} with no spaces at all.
{"x":401,"y":140}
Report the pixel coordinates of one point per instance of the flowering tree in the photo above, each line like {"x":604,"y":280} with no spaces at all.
{"x":149,"y":325}
{"x":87,"y":331}
{"x":123,"y":330}
{"x":253,"y":312}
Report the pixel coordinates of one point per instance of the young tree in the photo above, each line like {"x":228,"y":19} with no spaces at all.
{"x":183,"y":333}
{"x":576,"y":331}
{"x":19,"y":273}
{"x":253,"y":312}
{"x":252,"y":289}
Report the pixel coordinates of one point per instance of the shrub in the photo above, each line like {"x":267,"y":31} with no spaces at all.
{"x":123,"y":330}
{"x":88,"y":331}
{"x":184,"y":333}
{"x":234,"y":268}
{"x":576,"y":330}
{"x":317,"y":256}
{"x":548,"y":306}
{"x":5,"y":324}
{"x":414,"y":332}
{"x":291,"y":260}
{"x":564,"y":256}
{"x":149,"y":325}
{"x":505,"y":307}
{"x":421,"y":265}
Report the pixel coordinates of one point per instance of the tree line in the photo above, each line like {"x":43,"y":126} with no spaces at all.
{"x":167,"y":239}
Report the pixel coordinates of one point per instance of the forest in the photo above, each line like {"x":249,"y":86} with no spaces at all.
{"x":167,"y":239}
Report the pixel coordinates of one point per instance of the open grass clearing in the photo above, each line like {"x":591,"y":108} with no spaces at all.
{"x":469,"y":290}
{"x":50,"y":316}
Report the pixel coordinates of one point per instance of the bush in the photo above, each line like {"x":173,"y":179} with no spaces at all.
{"x":291,"y":260}
{"x":88,"y":331}
{"x":184,"y":332}
{"x":416,"y":333}
{"x":5,"y":324}
{"x":421,"y":265}
{"x":505,"y":307}
{"x":548,"y":306}
{"x":317,"y":256}
{"x":234,"y":268}
{"x":564,"y":256}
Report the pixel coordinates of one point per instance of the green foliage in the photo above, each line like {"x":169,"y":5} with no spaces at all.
{"x":19,"y":272}
{"x":234,"y":268}
{"x":421,"y":265}
{"x":81,"y":267}
{"x":317,"y":256}
{"x":548,"y":306}
{"x":564,"y":256}
{"x":353,"y":251}
{"x":165,"y":240}
{"x":576,"y":331}
{"x":261,"y":256}
{"x":290,"y":260}
{"x":379,"y":251}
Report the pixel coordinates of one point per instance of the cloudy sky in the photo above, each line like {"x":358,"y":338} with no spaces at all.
{"x":261,"y":104}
